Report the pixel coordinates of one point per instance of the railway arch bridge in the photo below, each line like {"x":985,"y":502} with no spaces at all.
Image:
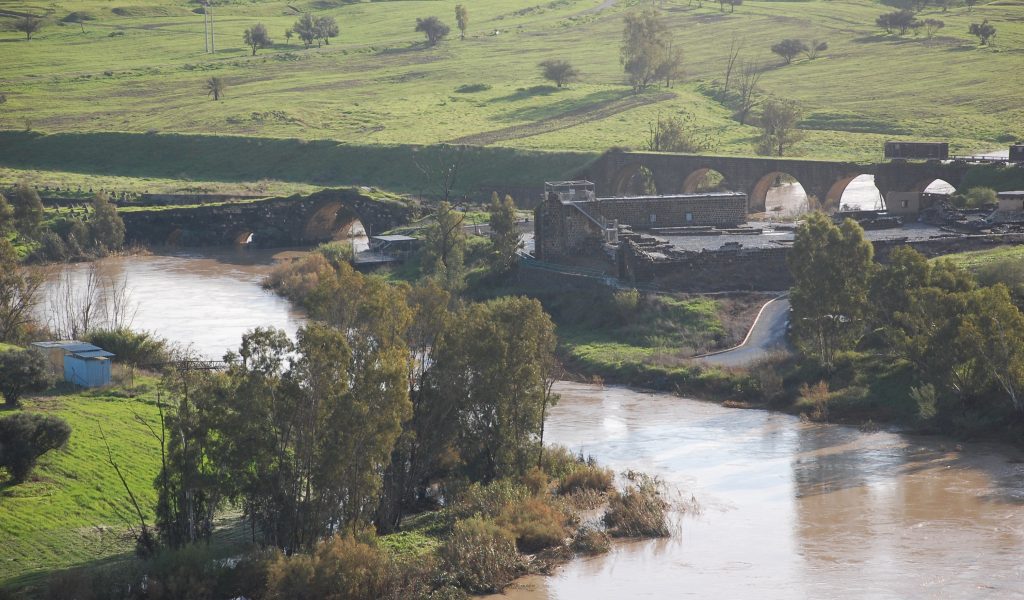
{"x":824,"y":180}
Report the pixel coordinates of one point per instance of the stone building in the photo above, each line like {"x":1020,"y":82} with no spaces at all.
{"x":573,"y":221}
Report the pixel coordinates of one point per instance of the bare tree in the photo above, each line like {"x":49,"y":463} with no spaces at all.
{"x":750,"y":76}
{"x":440,"y":167}
{"x":80,"y":306}
{"x":28,"y":25}
{"x":734,"y":53}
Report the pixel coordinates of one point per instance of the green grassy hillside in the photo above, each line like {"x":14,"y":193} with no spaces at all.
{"x":140,"y":67}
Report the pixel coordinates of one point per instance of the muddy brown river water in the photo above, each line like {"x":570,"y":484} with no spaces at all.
{"x":788,"y":509}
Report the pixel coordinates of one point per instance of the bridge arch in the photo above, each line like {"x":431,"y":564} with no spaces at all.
{"x":855,"y":184}
{"x":704,"y":179}
{"x":758,"y":196}
{"x":634,"y":179}
{"x":934,"y":185}
{"x":242,"y":236}
{"x":332,"y":220}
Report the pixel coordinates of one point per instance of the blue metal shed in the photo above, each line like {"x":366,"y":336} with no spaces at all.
{"x":83,"y":364}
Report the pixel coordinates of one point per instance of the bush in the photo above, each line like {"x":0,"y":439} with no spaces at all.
{"x":136,"y":348}
{"x":536,"y":481}
{"x":587,"y":477}
{"x":23,"y":372}
{"x":340,"y":568}
{"x":558,"y":461}
{"x":488,"y":500}
{"x":639,"y":510}
{"x":590,"y":540}
{"x":480,"y":557}
{"x":336,"y":252}
{"x":298,"y":279}
{"x":25,"y":437}
{"x":535,"y":523}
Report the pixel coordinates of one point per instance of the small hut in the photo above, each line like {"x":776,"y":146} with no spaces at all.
{"x":81,"y":363}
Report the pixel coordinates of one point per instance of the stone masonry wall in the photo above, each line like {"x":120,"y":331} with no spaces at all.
{"x":723,"y":210}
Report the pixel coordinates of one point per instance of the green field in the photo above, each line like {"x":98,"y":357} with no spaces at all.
{"x":139,"y":67}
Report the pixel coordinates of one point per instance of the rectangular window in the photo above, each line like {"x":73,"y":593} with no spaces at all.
{"x":689,"y":217}
{"x":654,"y":218}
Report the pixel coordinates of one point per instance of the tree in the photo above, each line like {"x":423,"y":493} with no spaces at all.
{"x":980,"y":196}
{"x":901,"y":20}
{"x":28,"y":211}
{"x":28,"y":25}
{"x":462,"y":19}
{"x":106,"y":228}
{"x":983,"y":31}
{"x":306,"y":29}
{"x":19,"y":294}
{"x":670,"y":67}
{"x":444,"y":248}
{"x":970,"y":5}
{"x":6,"y":217}
{"x":644,"y":53}
{"x":505,"y":236}
{"x":433,"y":28}
{"x":730,"y":64}
{"x":675,"y":134}
{"x":788,"y":49}
{"x":831,"y":267}
{"x":325,"y":28}
{"x":778,"y":127}
{"x":22,"y":372}
{"x":733,"y":4}
{"x":932,"y":26}
{"x":256,"y":37}
{"x":215,"y":87}
{"x":288,"y":35}
{"x":815,"y":47}
{"x":25,"y":437}
{"x":440,"y":166}
{"x":750,"y":75}
{"x":78,"y":17}
{"x":559,"y":71}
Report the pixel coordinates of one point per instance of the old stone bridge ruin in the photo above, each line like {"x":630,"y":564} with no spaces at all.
{"x":271,"y":222}
{"x":824,"y":180}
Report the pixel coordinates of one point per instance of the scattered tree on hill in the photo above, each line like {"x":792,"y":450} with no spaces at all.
{"x":19,"y":294}
{"x":288,"y":35}
{"x":78,"y":17}
{"x":25,"y":437}
{"x":932,"y":26}
{"x":675,"y":134}
{"x":733,"y":4}
{"x":505,"y":236}
{"x":730,"y":65}
{"x":22,"y":372}
{"x":814,"y":48}
{"x":788,"y":49}
{"x":750,"y":75}
{"x":256,"y":37}
{"x":778,"y":127}
{"x":970,"y":5}
{"x":28,"y":25}
{"x":325,"y":28}
{"x":831,"y":267}
{"x":901,"y":20}
{"x":305,"y":28}
{"x":462,"y":19}
{"x":105,"y":226}
{"x":983,"y":31}
{"x":559,"y":71}
{"x":647,"y":54}
{"x":28,"y":211}
{"x":215,"y":87}
{"x":444,"y":248}
{"x":440,"y":167}
{"x":433,"y":28}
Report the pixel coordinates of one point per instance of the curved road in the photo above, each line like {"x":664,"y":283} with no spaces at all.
{"x":766,"y":335}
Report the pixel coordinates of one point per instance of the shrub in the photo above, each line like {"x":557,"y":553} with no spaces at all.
{"x":816,"y":398}
{"x":470,"y":88}
{"x":587,"y":477}
{"x":590,"y":540}
{"x":639,"y":510}
{"x":137,"y":348}
{"x":536,"y":481}
{"x":535,"y":523}
{"x":25,"y":437}
{"x":336,"y":252}
{"x":480,"y":557}
{"x":558,"y":461}
{"x":340,"y":568}
{"x":488,"y":500}
{"x":22,"y":372}
{"x":298,"y":279}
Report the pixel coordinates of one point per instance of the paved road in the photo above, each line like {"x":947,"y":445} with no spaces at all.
{"x":767,"y":335}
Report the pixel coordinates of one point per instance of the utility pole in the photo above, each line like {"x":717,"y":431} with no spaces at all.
{"x":213,"y":46}
{"x":208,"y":39}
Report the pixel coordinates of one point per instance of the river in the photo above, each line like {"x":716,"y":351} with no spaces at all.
{"x":788,"y":509}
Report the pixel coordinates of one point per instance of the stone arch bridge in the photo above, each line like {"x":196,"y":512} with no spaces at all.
{"x":824,"y":180}
{"x":272,"y":222}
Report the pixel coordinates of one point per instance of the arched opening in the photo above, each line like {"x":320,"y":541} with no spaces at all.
{"x":634,"y":180}
{"x":705,"y":180}
{"x":242,"y":237}
{"x":780,"y":194}
{"x":332,"y":221}
{"x":355,"y":233}
{"x":934,"y":186}
{"x":854,"y":193}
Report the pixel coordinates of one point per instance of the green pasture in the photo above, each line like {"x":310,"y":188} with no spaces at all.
{"x":140,"y":67}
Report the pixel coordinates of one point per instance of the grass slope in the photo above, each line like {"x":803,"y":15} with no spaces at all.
{"x":140,"y":67}
{"x":74,"y":510}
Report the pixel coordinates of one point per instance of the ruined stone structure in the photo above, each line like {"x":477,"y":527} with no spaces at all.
{"x":271,"y":222}
{"x":824,"y":180}
{"x":762,"y":269}
{"x":573,"y":221}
